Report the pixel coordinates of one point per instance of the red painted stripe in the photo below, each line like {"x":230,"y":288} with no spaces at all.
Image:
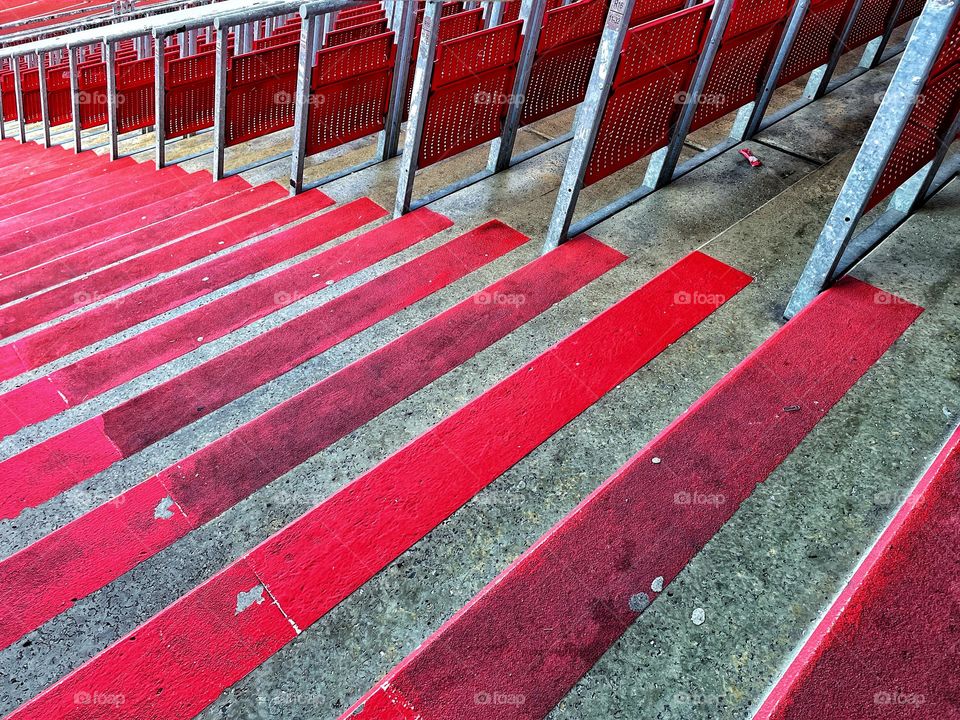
{"x":217,"y":614}
{"x":98,"y":234}
{"x":78,"y":293}
{"x":110,"y":202}
{"x":40,"y":168}
{"x":111,"y":367}
{"x":26,"y":588}
{"x":56,"y":341}
{"x":128,"y":179}
{"x":538,"y":393}
{"x":543,"y":623}
{"x":24,"y":209}
{"x":39,"y":190}
{"x":53,"y":193}
{"x":883,"y":646}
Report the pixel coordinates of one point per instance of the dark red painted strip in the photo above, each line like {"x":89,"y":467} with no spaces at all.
{"x":536,"y":400}
{"x":111,"y":367}
{"x":888,"y":645}
{"x":40,"y":191}
{"x":228,"y":612}
{"x":39,"y":172}
{"x":33,"y":598}
{"x":129,"y":179}
{"x":59,"y":200}
{"x":56,"y":341}
{"x":113,"y":201}
{"x":542,"y":624}
{"x":78,"y":293}
{"x":98,"y":234}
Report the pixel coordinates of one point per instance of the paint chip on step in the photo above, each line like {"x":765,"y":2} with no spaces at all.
{"x":253,"y":596}
{"x":164,"y":510}
{"x":639,"y":602}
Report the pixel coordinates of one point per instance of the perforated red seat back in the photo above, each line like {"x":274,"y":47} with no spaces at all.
{"x":135,"y":95}
{"x":261,"y":92}
{"x":870,"y":22}
{"x":465,"y":109}
{"x":59,"y":96}
{"x":937,"y":106}
{"x":651,"y":82}
{"x":356,"y":32}
{"x":646,"y":10}
{"x":92,"y":93}
{"x":350,"y":92}
{"x":190,"y":91}
{"x":749,"y":43}
{"x":819,"y":34}
{"x":565,"y":54}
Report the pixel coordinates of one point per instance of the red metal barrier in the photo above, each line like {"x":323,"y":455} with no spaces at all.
{"x":189,"y":97}
{"x":466,"y":107}
{"x":350,"y":90}
{"x":261,"y":92}
{"x":654,"y":74}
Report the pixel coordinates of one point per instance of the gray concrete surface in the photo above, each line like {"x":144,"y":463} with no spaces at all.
{"x":762,"y":580}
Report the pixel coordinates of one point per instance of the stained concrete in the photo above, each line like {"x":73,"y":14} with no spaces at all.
{"x":762,"y":580}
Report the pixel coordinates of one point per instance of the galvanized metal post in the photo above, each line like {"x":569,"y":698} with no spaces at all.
{"x":389,"y":140}
{"x":819,"y":82}
{"x":493,"y":14}
{"x":220,"y":101}
{"x":663,"y":163}
{"x":160,"y":100}
{"x":301,"y":119}
{"x":110,"y":57}
{"x":18,"y":90}
{"x":429,"y":39}
{"x":751,"y":116}
{"x":72,"y":58}
{"x":44,"y":98}
{"x":878,"y":146}
{"x":501,"y":150}
{"x":586,"y":124}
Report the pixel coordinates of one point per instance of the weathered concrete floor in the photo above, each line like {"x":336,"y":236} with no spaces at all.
{"x":762,"y":580}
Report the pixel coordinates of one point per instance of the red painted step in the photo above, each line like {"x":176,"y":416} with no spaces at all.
{"x":415,"y":486}
{"x":43,"y":188}
{"x":166,"y":211}
{"x":150,"y":349}
{"x":890,"y":644}
{"x":80,"y":292}
{"x":56,"y":341}
{"x":158,"y":412}
{"x":22,"y":210}
{"x":111,"y":367}
{"x":36,"y":209}
{"x":38,"y":182}
{"x":94,"y":207}
{"x":542,"y":624}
